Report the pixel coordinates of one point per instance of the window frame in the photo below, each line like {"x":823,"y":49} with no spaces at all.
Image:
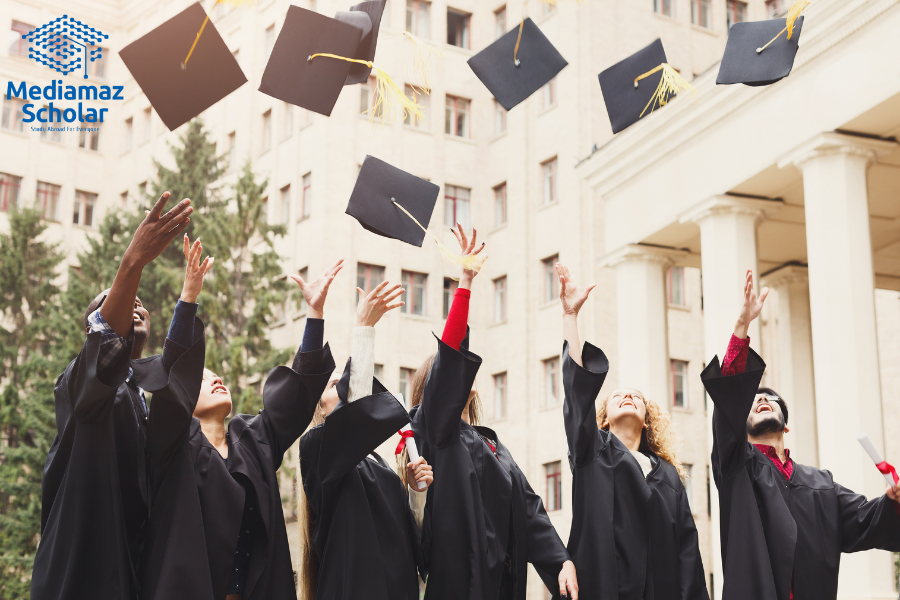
{"x":500,"y":22}
{"x":500,"y":297}
{"x":368,"y":274}
{"x":14,"y":114}
{"x":94,"y":145}
{"x":414,"y":18}
{"x":448,"y":292}
{"x":80,"y":214}
{"x":463,"y":36}
{"x":548,"y":265}
{"x":453,"y":199}
{"x":499,"y":119}
{"x":266,"y":131}
{"x":284,"y":195}
{"x":664,"y":7}
{"x":423,"y":101}
{"x":306,"y":197}
{"x":549,"y":87}
{"x":410,"y":280}
{"x":731,"y":12}
{"x":405,"y":385}
{"x":553,"y":480}
{"x":20,"y":44}
{"x":674,"y":364}
{"x":500,"y":196}
{"x":552,"y":164}
{"x":671,"y":298}
{"x":697,"y":13}
{"x":501,"y":389}
{"x":8,"y":183}
{"x":551,"y":370}
{"x":49,"y":191}
{"x":457,"y":105}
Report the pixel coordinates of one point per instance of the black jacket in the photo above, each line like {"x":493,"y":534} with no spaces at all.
{"x":95,"y":496}
{"x":364,"y":536}
{"x":775,"y":531}
{"x":480,"y":506}
{"x":632,"y":538}
{"x":198,"y":502}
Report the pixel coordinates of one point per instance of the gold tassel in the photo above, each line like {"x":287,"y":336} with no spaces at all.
{"x":422,"y":54}
{"x":522,"y":25}
{"x":791,"y":17}
{"x":387,"y":93}
{"x":473,"y":262}
{"x":670,"y":84}
{"x":205,"y":21}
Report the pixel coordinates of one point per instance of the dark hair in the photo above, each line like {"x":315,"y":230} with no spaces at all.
{"x":94,"y":305}
{"x":781,"y":402}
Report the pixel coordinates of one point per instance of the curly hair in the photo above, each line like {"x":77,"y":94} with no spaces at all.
{"x":658,"y":436}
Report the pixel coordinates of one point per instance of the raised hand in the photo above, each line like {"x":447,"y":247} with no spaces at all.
{"x":194,"y":271}
{"x":568,"y":581}
{"x":316,"y":292}
{"x":417,"y":471}
{"x":751,"y":308}
{"x":372,"y":307}
{"x":571,"y":298}
{"x":157,"y":230}
{"x":468,"y":248}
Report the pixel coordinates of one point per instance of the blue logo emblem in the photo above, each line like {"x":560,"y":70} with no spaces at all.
{"x":65,"y":45}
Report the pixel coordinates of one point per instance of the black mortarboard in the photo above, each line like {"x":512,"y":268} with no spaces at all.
{"x":743,"y":64}
{"x":180,"y":94}
{"x":538,"y":63}
{"x":625,"y":103}
{"x":371,"y":203}
{"x":314,"y":84}
{"x":366,"y":17}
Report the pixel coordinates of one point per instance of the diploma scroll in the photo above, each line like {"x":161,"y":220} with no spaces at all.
{"x":410,"y":442}
{"x":890,"y":474}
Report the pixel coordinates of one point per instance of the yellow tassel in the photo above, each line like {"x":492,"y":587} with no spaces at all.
{"x":387,"y":93}
{"x":670,"y":84}
{"x":473,"y":262}
{"x":422,"y":54}
{"x":791,"y":17}
{"x":206,"y":20}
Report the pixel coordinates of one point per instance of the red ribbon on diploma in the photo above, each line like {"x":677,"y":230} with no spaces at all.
{"x":404,"y":435}
{"x":887,"y":469}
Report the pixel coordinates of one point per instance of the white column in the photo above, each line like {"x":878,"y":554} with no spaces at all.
{"x":641,"y":308}
{"x":845,"y":349}
{"x":791,"y":373}
{"x":728,"y":249}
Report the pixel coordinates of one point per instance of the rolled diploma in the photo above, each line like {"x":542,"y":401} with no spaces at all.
{"x":873,"y":453}
{"x":413,"y":453}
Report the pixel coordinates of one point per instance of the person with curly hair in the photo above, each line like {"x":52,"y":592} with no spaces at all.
{"x":633,"y":536}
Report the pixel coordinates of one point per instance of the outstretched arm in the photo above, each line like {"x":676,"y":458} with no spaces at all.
{"x":735,"y":360}
{"x":458,"y":317}
{"x":369,"y":311}
{"x":310,"y":354}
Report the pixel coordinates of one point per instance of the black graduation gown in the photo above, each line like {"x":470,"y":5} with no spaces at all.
{"x":632,"y":538}
{"x":198,"y":503}
{"x":773,"y":530}
{"x":94,"y":490}
{"x":480,"y":505}
{"x":363,"y":532}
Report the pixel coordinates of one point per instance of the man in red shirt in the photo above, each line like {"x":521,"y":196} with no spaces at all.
{"x":783,"y":525}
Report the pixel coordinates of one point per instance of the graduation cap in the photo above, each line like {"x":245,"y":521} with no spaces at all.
{"x":366,"y":17}
{"x":636,"y":86}
{"x":180,"y":93}
{"x":759,"y":53}
{"x":518,"y":64}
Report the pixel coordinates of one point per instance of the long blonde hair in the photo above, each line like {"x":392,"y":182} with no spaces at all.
{"x":658,"y":436}
{"x":309,"y":562}
{"x":415,"y":399}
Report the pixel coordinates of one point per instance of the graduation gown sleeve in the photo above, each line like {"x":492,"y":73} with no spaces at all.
{"x":867,"y":524}
{"x":447,"y":392}
{"x":546,"y":551}
{"x":91,"y":396}
{"x":581,"y":384}
{"x":691,"y":577}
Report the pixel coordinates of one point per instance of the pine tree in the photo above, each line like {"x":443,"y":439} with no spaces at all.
{"x":246,"y":285}
{"x":31,"y":361}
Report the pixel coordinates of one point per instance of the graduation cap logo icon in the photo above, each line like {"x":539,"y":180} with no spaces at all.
{"x":65,"y":45}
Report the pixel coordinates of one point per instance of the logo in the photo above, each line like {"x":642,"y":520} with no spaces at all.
{"x":65,"y":45}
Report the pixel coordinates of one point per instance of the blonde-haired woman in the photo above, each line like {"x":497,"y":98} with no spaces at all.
{"x":633,"y":535}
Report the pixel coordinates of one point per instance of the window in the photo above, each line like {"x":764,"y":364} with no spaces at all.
{"x":96,"y":66}
{"x":414,"y":297}
{"x":147,"y":131}
{"x":735,"y":12}
{"x":664,"y":7}
{"x":367,"y":278}
{"x":406,"y":384}
{"x":500,"y":299}
{"x":55,"y":135}
{"x":418,"y":18}
{"x":500,"y":396}
{"x":232,"y":151}
{"x":499,"y":22}
{"x":551,"y":381}
{"x":700,"y":13}
{"x":421,"y":100}
{"x":499,"y":118}
{"x":13,"y":115}
{"x":456,"y":117}
{"x":679,"y":383}
{"x":264,"y":211}
{"x":458,"y":28}
{"x":777,"y":8}
{"x":18,"y":46}
{"x":456,"y":206}
{"x":553,"y":472}
{"x":449,"y":291}
{"x":367,"y":99}
{"x":9,"y":191}
{"x":306,"y":197}
{"x":500,"y":205}
{"x":83,"y":209}
{"x":675,"y":286}
{"x":304,"y":275}
{"x":269,"y":41}
{"x":287,"y":129}
{"x":286,"y":204}
{"x":548,"y":175}
{"x":548,"y":94}
{"x":551,"y":281}
{"x":129,"y":131}
{"x":688,"y":488}
{"x":267,"y":131}
{"x":89,"y":140}
{"x":47,"y":197}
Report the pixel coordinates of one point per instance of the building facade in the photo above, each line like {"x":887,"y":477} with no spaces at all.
{"x":544,"y":182}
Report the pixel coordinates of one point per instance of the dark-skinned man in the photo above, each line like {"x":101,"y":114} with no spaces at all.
{"x":95,"y":482}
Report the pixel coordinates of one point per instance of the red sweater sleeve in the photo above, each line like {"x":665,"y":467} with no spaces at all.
{"x":736,"y":356}
{"x":457,"y":319}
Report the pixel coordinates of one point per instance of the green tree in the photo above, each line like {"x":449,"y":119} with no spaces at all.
{"x":246,"y":286}
{"x":31,"y":359}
